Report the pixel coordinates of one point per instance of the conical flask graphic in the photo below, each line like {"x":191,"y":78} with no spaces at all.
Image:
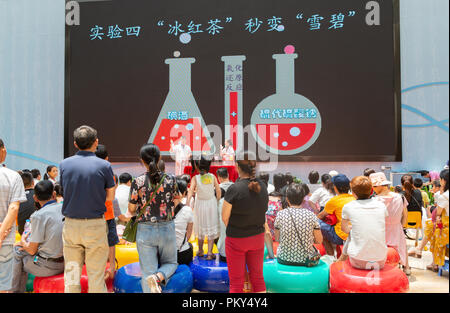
{"x":286,"y":123}
{"x":180,"y":115}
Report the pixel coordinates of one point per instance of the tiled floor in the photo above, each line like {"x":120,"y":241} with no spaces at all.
{"x":423,"y":280}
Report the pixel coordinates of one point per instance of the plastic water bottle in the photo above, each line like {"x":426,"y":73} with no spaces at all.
{"x":27,"y":229}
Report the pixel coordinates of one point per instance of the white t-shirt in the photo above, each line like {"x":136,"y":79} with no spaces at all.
{"x":368,"y":234}
{"x":122,"y":195}
{"x":442,"y":201}
{"x":183,"y":218}
{"x":182,"y":153}
{"x":11,"y":190}
{"x":321,"y":196}
{"x":314,"y":187}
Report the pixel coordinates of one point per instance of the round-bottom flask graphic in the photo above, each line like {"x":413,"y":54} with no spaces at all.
{"x":286,"y":123}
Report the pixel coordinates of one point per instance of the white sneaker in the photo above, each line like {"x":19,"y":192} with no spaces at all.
{"x":153,"y":284}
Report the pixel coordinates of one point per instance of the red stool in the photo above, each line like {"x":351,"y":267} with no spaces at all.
{"x":321,"y":249}
{"x":346,"y":279}
{"x":275,"y":247}
{"x":393,"y":258}
{"x":55,"y":284}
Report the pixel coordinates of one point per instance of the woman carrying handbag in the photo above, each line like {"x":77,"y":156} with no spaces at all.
{"x":151,"y":198}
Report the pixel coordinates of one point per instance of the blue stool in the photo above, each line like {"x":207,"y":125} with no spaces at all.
{"x":443,"y":268}
{"x":210,"y":276}
{"x":128,"y":280}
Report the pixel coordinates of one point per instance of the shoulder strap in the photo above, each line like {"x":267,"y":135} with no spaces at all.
{"x":417,"y":202}
{"x":184,"y":241}
{"x":296,"y":230}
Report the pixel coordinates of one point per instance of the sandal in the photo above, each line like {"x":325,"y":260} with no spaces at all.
{"x":413,"y":253}
{"x":407,"y":271}
{"x":200,"y":254}
{"x":433,"y":267}
{"x":210,"y":257}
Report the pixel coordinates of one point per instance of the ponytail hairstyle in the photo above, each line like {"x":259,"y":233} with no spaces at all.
{"x":194,"y":164}
{"x":444,"y":175}
{"x":150,"y":155}
{"x":328,"y":183}
{"x":247,"y":164}
{"x":203,"y":165}
{"x":407,"y":183}
{"x":49,"y":169}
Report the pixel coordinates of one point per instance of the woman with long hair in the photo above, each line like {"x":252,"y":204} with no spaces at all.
{"x":413,"y":196}
{"x":51,"y":174}
{"x":154,"y":192}
{"x":243,"y":214}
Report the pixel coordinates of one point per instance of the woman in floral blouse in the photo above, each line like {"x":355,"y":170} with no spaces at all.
{"x":156,"y":230}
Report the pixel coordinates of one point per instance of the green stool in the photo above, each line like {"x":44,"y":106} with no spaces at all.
{"x":281,"y":278}
{"x":30,"y":282}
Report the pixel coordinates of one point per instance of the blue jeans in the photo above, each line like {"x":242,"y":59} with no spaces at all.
{"x":329,"y":233}
{"x":157,"y":248}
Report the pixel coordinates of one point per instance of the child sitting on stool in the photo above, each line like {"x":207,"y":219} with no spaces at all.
{"x":365,"y":222}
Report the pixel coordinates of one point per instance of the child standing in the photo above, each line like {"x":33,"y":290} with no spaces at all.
{"x":206,"y":219}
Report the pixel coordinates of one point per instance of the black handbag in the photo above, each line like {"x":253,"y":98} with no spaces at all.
{"x":129,"y":234}
{"x":315,"y":258}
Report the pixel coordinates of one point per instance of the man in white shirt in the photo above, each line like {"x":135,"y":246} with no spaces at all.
{"x":365,"y":221}
{"x":123,"y":191}
{"x":182,"y":153}
{"x":12,"y":193}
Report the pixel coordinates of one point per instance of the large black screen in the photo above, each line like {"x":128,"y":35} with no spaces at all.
{"x":310,"y":80}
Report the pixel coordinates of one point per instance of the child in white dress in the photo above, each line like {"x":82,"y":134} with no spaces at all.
{"x":206,"y":220}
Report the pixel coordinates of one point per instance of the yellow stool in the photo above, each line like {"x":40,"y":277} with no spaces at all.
{"x":414,"y":222}
{"x":18,"y":237}
{"x":205,"y":248}
{"x":126,"y":254}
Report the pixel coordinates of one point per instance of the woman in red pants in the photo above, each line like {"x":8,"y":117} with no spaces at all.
{"x":243,"y":213}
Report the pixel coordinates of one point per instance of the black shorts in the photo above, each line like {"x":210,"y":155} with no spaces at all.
{"x":113,"y":239}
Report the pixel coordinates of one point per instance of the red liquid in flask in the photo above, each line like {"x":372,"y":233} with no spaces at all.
{"x":186,"y":118}
{"x":286,"y":137}
{"x":286,"y":123}
{"x":174,"y":129}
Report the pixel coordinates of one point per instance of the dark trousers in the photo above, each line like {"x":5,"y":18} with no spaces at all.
{"x":186,"y":256}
